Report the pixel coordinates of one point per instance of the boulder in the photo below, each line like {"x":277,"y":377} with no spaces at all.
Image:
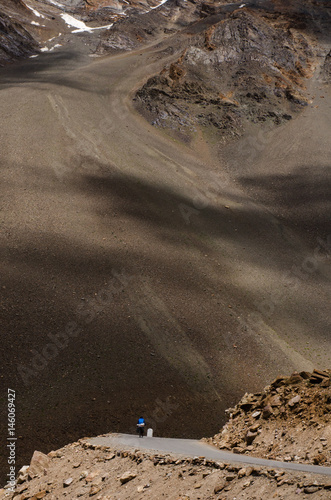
{"x":294,"y":401}
{"x":319,"y":459}
{"x":22,"y":474}
{"x":275,"y":401}
{"x":295,"y":378}
{"x":127,"y":476}
{"x":94,"y":490}
{"x":318,"y":376}
{"x":310,"y":489}
{"x":67,"y":482}
{"x":278,"y":381}
{"x":242,"y":472}
{"x":267,"y":412}
{"x":39,"y":464}
{"x":220,"y":486}
{"x":305,"y":375}
{"x":248,"y":402}
{"x":92,"y":475}
{"x":39,"y":495}
{"x":255,"y":427}
{"x":250,"y":436}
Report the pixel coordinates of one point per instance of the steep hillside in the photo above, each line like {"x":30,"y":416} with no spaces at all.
{"x":156,"y":274}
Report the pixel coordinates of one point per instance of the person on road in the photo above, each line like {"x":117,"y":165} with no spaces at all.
{"x":140,"y":427}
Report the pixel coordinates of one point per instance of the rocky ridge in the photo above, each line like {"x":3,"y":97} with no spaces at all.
{"x":289,"y":420}
{"x":23,"y":29}
{"x":133,"y":32}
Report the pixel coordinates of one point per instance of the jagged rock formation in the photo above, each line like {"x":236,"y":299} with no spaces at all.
{"x":248,"y":66}
{"x":134,"y":31}
{"x":15,"y":41}
{"x":289,"y":420}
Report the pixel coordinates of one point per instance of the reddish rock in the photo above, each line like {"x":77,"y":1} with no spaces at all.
{"x":127,"y":476}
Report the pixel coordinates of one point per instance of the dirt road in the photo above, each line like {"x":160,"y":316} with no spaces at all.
{"x":194,"y":448}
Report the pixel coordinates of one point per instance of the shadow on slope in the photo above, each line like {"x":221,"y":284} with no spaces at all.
{"x":147,"y":299}
{"x":301,"y":199}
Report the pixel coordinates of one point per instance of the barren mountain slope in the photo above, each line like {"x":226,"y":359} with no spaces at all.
{"x":142,"y":274}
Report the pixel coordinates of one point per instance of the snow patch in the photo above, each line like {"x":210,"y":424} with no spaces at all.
{"x":57,"y":4}
{"x":107,"y":27}
{"x":71,"y":21}
{"x":36,"y":13}
{"x":242,"y":5}
{"x":75,"y":23}
{"x":157,"y":6}
{"x":55,"y":46}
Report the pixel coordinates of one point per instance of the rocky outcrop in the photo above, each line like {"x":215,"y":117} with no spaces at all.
{"x":289,"y":420}
{"x":134,"y":31}
{"x":243,"y":68}
{"x":15,"y":41}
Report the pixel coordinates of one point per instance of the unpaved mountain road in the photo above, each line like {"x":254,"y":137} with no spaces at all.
{"x":137,"y":272}
{"x":194,"y":448}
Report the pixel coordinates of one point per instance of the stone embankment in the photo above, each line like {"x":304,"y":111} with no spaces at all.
{"x":289,"y":420}
{"x":81,"y":470}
